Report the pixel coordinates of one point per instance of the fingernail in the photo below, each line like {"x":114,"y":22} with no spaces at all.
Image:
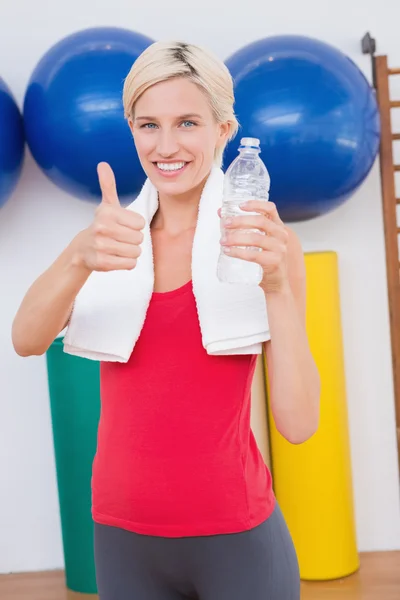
{"x":228,"y":221}
{"x":226,"y":249}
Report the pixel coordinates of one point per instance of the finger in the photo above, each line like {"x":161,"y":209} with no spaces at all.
{"x":108,"y":184}
{"x":261,"y":222}
{"x":110,"y":247}
{"x":264,"y":259}
{"x":130,"y":219}
{"x":116,"y":263}
{"x":119,"y":233}
{"x":127,"y":235}
{"x":266,"y":208}
{"x":252,"y":239}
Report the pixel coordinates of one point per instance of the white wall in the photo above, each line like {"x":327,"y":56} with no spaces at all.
{"x":40,"y":220}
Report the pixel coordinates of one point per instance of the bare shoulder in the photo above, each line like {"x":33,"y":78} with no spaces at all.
{"x":296,"y":269}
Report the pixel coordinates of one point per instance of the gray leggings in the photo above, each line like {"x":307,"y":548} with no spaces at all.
{"x":259,"y":564}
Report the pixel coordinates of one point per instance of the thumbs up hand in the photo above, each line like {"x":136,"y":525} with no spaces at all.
{"x":112,"y":241}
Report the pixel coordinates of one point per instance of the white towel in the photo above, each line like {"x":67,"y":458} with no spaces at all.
{"x":110,"y":309}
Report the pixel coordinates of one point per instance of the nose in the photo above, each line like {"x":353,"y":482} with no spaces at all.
{"x":167,"y":144}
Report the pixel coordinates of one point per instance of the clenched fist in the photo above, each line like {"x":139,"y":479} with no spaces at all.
{"x":112,"y":242}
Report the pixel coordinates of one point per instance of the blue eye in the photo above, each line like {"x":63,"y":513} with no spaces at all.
{"x":186,"y":124}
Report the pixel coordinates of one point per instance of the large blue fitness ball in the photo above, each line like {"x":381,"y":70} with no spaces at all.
{"x":12,"y":143}
{"x":316,"y":116}
{"x":73,"y":111}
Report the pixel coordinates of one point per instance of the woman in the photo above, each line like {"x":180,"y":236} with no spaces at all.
{"x":182,"y":502}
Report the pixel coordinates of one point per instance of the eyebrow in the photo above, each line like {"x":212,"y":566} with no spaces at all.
{"x":186,"y":116}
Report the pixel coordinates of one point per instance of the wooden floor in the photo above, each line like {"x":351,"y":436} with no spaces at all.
{"x":378,"y":579}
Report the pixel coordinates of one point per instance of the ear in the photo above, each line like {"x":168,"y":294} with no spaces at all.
{"x":131,"y":125}
{"x":223,"y":133}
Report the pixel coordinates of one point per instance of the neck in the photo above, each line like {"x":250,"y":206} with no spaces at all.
{"x":177,"y":214}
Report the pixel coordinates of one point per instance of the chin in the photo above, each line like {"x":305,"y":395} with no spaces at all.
{"x":173,"y":188}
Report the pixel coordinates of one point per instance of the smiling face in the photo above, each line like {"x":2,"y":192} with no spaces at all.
{"x":176,"y":135}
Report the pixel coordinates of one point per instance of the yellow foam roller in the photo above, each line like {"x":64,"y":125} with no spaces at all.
{"x":313,"y":480}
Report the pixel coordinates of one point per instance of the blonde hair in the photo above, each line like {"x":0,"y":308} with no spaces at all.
{"x":167,"y":60}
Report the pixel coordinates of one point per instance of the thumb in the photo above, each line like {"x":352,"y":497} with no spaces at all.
{"x":107,"y":183}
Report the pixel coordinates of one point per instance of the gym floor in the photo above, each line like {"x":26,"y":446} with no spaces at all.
{"x":377,"y":579}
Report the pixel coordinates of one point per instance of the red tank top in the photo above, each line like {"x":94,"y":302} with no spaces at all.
{"x":176,"y":455}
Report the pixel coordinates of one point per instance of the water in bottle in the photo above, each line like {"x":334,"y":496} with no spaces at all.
{"x":246,"y":179}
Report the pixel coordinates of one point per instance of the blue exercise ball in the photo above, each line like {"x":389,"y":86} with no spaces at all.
{"x":12,"y":143}
{"x":73,"y":111}
{"x":316,"y":117}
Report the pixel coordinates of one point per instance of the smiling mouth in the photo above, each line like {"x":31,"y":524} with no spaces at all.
{"x":172,"y":167}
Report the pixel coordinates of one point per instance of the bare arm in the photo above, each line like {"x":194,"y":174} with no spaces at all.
{"x":46,"y":307}
{"x":292,"y":372}
{"x":112,"y":242}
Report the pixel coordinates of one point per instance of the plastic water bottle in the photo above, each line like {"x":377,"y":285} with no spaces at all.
{"x":246,"y":178}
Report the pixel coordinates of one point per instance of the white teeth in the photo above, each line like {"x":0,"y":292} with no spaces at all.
{"x":171,"y":166}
